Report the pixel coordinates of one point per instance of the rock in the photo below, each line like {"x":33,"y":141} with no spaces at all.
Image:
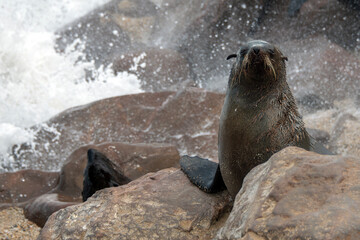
{"x":39,"y":209}
{"x":312,"y":103}
{"x":319,"y":67}
{"x":343,"y":125}
{"x":187,"y":119}
{"x":353,"y":4}
{"x":123,"y":26}
{"x":157,"y":69}
{"x":15,"y":226}
{"x":326,"y":18}
{"x":337,"y":21}
{"x":162,"y":205}
{"x":218,"y":31}
{"x":96,"y":35}
{"x":108,"y":31}
{"x":17,"y":187}
{"x":136,"y":18}
{"x":321,"y":136}
{"x":322,"y":120}
{"x":221,"y":30}
{"x":133,"y":160}
{"x":298,"y":195}
{"x":206,"y":32}
{"x":346,"y":135}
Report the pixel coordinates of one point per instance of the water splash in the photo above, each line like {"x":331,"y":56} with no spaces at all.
{"x":36,"y":82}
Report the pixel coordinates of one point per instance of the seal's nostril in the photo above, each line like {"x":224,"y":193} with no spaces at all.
{"x":256,"y":50}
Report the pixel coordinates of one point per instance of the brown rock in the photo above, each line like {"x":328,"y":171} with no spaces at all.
{"x":162,"y":205}
{"x":15,"y":226}
{"x":133,"y":160}
{"x":187,"y":120}
{"x":298,"y":195}
{"x":157,"y":69}
{"x":39,"y":209}
{"x":17,"y":187}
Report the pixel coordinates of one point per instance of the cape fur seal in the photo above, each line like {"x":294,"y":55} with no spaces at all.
{"x":100,"y":173}
{"x":258,"y":119}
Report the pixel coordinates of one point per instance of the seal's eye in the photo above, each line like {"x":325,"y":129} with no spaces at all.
{"x":271,"y":52}
{"x":231,"y":56}
{"x":243,"y":51}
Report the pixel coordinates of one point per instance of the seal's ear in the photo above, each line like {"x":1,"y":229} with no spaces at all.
{"x":284,"y":58}
{"x":231,"y":56}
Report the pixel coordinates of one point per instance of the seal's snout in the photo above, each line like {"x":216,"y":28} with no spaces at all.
{"x":256,"y":56}
{"x":256,"y":50}
{"x":257,"y":62}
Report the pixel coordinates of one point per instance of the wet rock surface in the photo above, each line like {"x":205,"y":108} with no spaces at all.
{"x":346,"y":135}
{"x":298,"y":195}
{"x":206,"y":32}
{"x":320,"y":68}
{"x":123,"y":27}
{"x":186,"y":119}
{"x":158,"y":69}
{"x":17,"y":187}
{"x":342,"y":126}
{"x":133,"y":160}
{"x":158,"y":205}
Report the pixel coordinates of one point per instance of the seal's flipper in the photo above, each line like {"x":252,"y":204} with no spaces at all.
{"x":203,"y":173}
{"x":100,"y":173}
{"x":317,"y":147}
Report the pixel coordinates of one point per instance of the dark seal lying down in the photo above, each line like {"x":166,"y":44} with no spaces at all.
{"x":258,"y":119}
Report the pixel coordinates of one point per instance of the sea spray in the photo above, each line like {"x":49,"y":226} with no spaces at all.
{"x":37,"y":82}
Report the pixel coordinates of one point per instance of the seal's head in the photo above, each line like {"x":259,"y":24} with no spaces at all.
{"x":257,"y":63}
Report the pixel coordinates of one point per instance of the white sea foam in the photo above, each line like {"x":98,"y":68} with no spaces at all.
{"x":36,"y":82}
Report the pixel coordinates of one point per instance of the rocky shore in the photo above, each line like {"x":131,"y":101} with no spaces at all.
{"x":178,"y":51}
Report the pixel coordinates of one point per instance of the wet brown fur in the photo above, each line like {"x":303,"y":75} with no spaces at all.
{"x":259,"y":116}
